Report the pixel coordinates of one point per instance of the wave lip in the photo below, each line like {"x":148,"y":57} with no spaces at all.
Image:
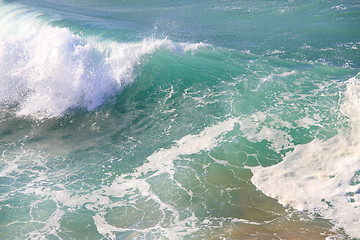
{"x":47,"y":71}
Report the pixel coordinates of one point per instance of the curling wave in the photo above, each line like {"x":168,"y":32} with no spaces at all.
{"x":47,"y":71}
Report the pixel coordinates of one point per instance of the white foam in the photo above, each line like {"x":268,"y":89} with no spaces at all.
{"x":46,"y":71}
{"x":306,"y":122}
{"x":274,"y":76}
{"x":135,"y":186}
{"x":162,"y":162}
{"x":257,"y":132}
{"x":316,"y":176}
{"x":339,"y":7}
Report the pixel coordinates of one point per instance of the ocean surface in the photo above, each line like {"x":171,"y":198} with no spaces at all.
{"x":180,"y":119}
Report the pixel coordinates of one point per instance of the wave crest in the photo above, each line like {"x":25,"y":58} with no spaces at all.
{"x":48,"y":70}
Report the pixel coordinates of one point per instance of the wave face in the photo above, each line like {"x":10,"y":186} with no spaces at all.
{"x":163,"y":120}
{"x":48,"y":71}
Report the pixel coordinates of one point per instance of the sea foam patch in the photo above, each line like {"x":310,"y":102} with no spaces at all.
{"x":322,"y":176}
{"x":134,"y":192}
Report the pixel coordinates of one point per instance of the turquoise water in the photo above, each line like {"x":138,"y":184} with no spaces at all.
{"x":179,"y":120}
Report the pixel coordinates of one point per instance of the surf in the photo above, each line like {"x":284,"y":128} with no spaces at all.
{"x":178,"y":120}
{"x":322,"y":177}
{"x":49,"y":71}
